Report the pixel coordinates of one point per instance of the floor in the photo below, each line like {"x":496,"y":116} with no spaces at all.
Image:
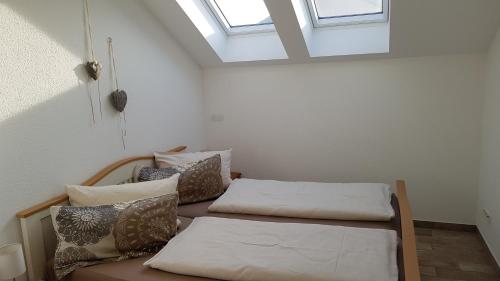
{"x":446,"y":255}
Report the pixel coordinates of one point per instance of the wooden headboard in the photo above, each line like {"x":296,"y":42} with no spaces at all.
{"x":39,"y":240}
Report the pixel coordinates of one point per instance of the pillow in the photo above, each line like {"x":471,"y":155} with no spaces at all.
{"x":101,"y":195}
{"x":135,"y":172}
{"x":92,"y":235}
{"x":152,"y":174}
{"x":198,"y":182}
{"x":182,"y":159}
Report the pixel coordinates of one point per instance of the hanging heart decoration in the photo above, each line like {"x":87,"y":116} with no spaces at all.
{"x":119,"y":100}
{"x":94,"y":69}
{"x":118,"y":97}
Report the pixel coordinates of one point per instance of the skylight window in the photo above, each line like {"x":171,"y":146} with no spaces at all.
{"x":344,"y":12}
{"x":243,"y":16}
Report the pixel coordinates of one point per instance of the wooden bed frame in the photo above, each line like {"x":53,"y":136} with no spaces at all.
{"x":39,"y":239}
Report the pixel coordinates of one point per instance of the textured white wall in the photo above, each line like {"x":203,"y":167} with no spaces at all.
{"x":373,"y":121}
{"x":489,"y":180}
{"x":46,"y":135}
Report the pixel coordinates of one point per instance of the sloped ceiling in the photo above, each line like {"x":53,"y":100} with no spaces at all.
{"x":418,"y":28}
{"x":436,"y":27}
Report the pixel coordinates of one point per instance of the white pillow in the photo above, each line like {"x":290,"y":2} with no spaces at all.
{"x":182,"y":159}
{"x":80,"y":196}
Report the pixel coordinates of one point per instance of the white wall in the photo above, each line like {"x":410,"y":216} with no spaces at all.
{"x":373,"y":121}
{"x":46,"y":136}
{"x":489,"y":181}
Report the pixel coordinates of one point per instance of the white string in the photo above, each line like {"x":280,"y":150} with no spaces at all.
{"x":113,"y":64}
{"x":89,"y":31}
{"x":125,"y":121}
{"x":90,"y":53}
{"x":89,"y":93}
{"x":99,"y":93}
{"x":123,"y":126}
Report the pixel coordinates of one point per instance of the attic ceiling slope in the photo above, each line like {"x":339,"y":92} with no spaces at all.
{"x":183,"y":30}
{"x":445,"y":27}
{"x":418,"y":28}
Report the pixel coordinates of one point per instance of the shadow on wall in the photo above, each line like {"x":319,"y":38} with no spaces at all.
{"x":47,"y":137}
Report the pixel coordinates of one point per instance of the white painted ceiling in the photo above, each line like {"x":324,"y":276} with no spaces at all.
{"x":418,"y":28}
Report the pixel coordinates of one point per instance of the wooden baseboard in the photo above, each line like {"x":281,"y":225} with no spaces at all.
{"x":445,"y":226}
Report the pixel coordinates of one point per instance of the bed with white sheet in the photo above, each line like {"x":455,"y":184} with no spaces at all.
{"x":231,"y":249}
{"x":310,"y":200}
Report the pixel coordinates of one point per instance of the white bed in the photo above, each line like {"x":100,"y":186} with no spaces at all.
{"x":243,"y":250}
{"x":311,"y":200}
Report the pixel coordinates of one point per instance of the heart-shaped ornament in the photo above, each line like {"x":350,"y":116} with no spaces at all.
{"x":94,"y":69}
{"x":119,"y":100}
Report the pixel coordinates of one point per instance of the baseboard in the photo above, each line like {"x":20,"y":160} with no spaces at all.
{"x":446,"y":226}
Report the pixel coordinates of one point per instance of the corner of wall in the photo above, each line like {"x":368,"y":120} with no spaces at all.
{"x":488,"y":209}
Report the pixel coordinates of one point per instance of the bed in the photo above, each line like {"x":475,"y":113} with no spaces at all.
{"x":39,"y":239}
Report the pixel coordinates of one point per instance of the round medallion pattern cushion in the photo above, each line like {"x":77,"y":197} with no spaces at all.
{"x":201,"y":181}
{"x":86,"y":225}
{"x":146,"y":226}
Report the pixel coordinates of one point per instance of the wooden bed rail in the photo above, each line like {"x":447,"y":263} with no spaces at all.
{"x":411,"y":268}
{"x":103,"y":173}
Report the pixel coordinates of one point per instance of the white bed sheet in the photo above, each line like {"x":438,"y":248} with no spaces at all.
{"x":313,"y":200}
{"x":229,"y":249}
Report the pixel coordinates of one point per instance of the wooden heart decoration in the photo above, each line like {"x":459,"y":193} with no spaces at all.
{"x":119,"y":100}
{"x":94,"y":69}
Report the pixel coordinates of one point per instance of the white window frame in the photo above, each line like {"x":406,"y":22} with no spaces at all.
{"x":348,"y":20}
{"x":236,"y":30}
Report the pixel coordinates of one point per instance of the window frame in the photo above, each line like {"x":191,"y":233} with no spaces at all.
{"x":215,"y":10}
{"x":319,"y":22}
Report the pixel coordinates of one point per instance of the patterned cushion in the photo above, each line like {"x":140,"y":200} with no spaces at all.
{"x":201,"y":182}
{"x":198,"y":181}
{"x":163,"y":160}
{"x":152,"y":174}
{"x":91,"y":235}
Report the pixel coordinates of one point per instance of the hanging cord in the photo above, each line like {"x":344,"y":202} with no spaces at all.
{"x":90,"y":52}
{"x":99,"y":94}
{"x":89,"y":93}
{"x":125,"y":122}
{"x":113,"y":63}
{"x":90,"y":40}
{"x":90,"y":47}
{"x":123,"y":119}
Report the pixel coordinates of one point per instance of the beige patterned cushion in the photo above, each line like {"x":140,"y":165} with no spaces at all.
{"x":198,"y":181}
{"x":163,"y":160}
{"x":201,"y":181}
{"x":91,"y":235}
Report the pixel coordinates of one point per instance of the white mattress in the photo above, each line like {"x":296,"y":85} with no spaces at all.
{"x":313,"y":200}
{"x":229,"y":249}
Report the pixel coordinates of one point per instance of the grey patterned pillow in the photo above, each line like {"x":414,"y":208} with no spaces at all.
{"x":91,"y":235}
{"x":199,"y":181}
{"x":152,"y":174}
